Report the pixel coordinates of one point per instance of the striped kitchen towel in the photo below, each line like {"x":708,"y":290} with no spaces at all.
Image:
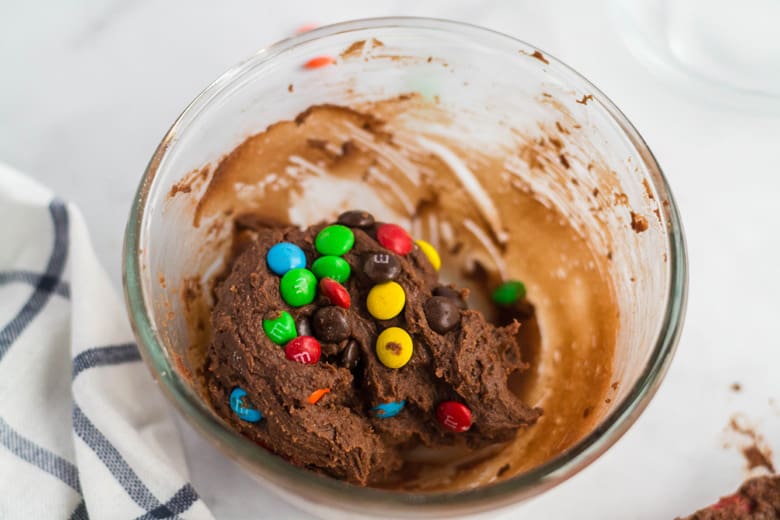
{"x":84,"y":432}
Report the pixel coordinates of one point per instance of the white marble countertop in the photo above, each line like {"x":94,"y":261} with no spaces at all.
{"x":87,"y":89}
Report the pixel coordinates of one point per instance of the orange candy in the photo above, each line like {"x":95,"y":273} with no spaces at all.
{"x":319,"y":62}
{"x":317,"y":395}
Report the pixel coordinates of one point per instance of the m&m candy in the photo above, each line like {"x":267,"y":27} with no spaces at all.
{"x":319,"y":62}
{"x":335,"y":293}
{"x":442,"y":313}
{"x":298,"y":287}
{"x":387,"y":410}
{"x":430,"y":252}
{"x":330,"y":324}
{"x":454,"y":416}
{"x":280,"y":328}
{"x":356,"y":218}
{"x":317,"y":395}
{"x":395,"y":238}
{"x":509,"y":292}
{"x":350,"y":356}
{"x":285,"y":256}
{"x":303,"y":349}
{"x":394,"y":347}
{"x":449,"y":292}
{"x":333,"y":267}
{"x":240,"y":405}
{"x":386,"y":300}
{"x":303,"y":326}
{"x":334,"y":240}
{"x":381,"y":267}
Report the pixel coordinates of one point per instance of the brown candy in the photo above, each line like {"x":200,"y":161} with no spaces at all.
{"x":356,"y":218}
{"x":449,"y":292}
{"x":442,"y":313}
{"x":330,"y":324}
{"x":303,"y":326}
{"x":350,"y":356}
{"x":381,"y":267}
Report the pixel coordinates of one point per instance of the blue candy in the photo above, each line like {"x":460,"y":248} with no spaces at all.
{"x":387,"y":410}
{"x":285,"y":256}
{"x":242,"y":408}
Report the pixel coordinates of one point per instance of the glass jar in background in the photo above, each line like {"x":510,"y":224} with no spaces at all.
{"x":727,"y":50}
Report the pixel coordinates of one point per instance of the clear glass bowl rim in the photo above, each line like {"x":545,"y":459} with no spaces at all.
{"x":524,"y":485}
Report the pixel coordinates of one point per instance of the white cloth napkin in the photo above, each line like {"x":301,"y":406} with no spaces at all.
{"x":84,"y":432}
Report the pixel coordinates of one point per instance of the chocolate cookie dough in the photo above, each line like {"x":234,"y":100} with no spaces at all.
{"x":347,"y":402}
{"x":757,"y":499}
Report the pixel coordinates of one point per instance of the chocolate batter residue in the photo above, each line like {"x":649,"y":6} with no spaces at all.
{"x":638,"y":222}
{"x":756,"y":458}
{"x":474,"y":205}
{"x":753,"y":446}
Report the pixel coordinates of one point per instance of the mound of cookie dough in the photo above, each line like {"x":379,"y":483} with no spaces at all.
{"x":757,"y":499}
{"x":337,"y":348}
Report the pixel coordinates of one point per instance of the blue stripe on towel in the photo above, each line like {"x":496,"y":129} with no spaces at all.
{"x":101,"y":356}
{"x":46,"y":283}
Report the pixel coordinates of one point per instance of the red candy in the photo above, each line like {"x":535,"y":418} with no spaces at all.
{"x":395,"y":238}
{"x":303,"y":349}
{"x":305,"y":28}
{"x":739,"y":503}
{"x":335,"y":293}
{"x":454,"y":416}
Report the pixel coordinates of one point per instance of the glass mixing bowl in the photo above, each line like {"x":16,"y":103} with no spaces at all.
{"x":496,"y":78}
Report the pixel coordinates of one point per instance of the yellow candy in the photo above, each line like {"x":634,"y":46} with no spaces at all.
{"x":430,"y":252}
{"x":386,"y":300}
{"x":394,"y":347}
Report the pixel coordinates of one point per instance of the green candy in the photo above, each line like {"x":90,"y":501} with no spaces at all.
{"x":281,"y":329}
{"x":298,"y":287}
{"x":509,"y":292}
{"x":331,"y":267}
{"x":334,"y":240}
